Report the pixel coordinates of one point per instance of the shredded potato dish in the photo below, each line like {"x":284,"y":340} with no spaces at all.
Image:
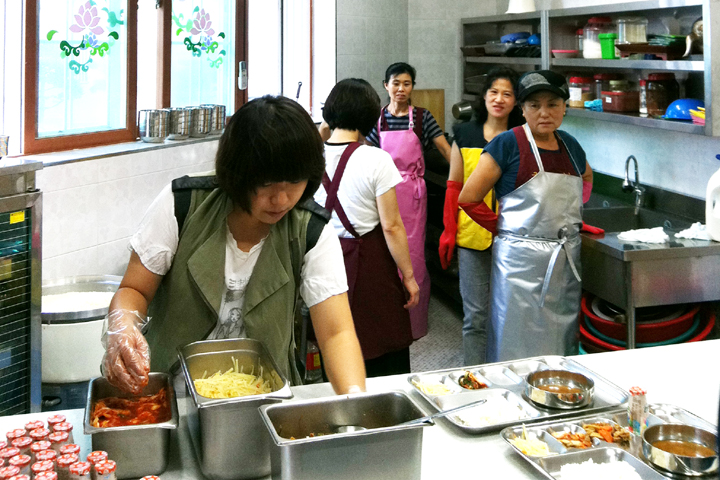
{"x":232,"y":383}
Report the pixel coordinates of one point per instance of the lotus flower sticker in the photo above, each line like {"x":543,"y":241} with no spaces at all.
{"x":87,"y":18}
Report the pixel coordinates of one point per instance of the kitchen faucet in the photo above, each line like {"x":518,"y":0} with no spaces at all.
{"x":629,"y":186}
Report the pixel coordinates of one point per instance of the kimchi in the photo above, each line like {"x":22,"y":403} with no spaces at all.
{"x":121,"y":412}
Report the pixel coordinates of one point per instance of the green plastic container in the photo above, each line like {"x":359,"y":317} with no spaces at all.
{"x":607,"y":45}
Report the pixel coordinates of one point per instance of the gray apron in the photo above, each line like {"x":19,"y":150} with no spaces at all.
{"x":535,"y":278}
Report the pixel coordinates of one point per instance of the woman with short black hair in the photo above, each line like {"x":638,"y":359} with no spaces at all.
{"x":365,"y":215}
{"x":405,"y":132}
{"x":241,"y":241}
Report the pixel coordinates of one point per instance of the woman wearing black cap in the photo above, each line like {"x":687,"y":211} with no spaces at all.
{"x":541,"y":178}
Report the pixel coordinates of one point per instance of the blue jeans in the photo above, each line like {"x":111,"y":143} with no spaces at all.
{"x":474,"y":268}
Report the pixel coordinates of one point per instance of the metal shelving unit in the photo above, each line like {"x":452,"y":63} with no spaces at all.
{"x":558,"y":26}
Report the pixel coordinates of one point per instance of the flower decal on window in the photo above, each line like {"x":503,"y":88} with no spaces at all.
{"x":87,"y":18}
{"x":95,"y":39}
{"x":202,"y":24}
{"x":201,"y":38}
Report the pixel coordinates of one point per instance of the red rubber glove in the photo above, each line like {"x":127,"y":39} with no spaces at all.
{"x":450,"y":218}
{"x":590,"y":229}
{"x":482,"y":215}
{"x":587,"y":190}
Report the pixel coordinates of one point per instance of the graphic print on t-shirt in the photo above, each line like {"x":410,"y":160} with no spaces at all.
{"x":230,"y":322}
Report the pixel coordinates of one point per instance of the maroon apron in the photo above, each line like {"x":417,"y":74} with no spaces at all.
{"x":375,"y":292}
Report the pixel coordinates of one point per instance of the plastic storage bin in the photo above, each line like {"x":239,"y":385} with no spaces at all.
{"x":621,"y":101}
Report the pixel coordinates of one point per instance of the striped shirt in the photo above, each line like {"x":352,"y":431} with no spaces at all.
{"x":430,"y":127}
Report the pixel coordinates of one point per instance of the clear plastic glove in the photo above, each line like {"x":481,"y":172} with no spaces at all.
{"x":126,"y":363}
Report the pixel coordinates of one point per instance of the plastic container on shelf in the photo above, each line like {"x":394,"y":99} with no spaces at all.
{"x":591,"y":33}
{"x":643,"y":98}
{"x":579,"y":35}
{"x":580,"y":90}
{"x":619,"y":85}
{"x":625,"y":102}
{"x":662,"y":90}
{"x":602,"y":82}
{"x":632,"y":30}
{"x":607,"y":45}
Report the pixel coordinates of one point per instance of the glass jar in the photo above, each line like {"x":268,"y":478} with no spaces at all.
{"x":602,"y":82}
{"x":581,"y":91}
{"x":619,"y":86}
{"x":591,"y":39}
{"x":662,"y":90}
{"x":643,"y":98}
{"x":632,"y":30}
{"x":579,"y":39}
{"x":80,"y":471}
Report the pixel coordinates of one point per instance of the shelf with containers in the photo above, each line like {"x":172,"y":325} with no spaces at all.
{"x":657,"y":17}
{"x":558,"y":30}
{"x":481,"y":31}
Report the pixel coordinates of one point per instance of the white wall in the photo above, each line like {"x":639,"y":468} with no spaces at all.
{"x":92,"y":208}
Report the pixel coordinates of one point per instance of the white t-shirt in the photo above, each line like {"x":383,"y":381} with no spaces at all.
{"x":156,"y":241}
{"x":370,"y":172}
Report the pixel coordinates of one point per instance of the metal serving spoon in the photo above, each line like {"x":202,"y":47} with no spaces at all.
{"x":425,"y":419}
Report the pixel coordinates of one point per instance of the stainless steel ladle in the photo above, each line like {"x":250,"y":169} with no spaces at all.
{"x":425,"y":419}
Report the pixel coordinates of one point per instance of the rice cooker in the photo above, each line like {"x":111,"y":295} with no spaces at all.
{"x":73,"y":313}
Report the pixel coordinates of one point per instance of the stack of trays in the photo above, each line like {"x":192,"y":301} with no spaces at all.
{"x":507,"y":401}
{"x":600,"y":451}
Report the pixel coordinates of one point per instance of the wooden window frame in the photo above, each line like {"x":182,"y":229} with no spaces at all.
{"x":164,"y":47}
{"x":32,"y":144}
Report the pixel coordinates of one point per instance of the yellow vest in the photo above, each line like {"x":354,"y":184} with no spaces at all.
{"x":469,"y":233}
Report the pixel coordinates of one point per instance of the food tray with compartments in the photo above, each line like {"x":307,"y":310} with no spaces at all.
{"x":507,"y":403}
{"x":600,"y":451}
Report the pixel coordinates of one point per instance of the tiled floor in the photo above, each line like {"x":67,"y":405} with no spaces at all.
{"x":442,"y":346}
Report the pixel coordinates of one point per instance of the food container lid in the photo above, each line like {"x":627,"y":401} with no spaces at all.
{"x":48,"y":475}
{"x":579,"y":31}
{"x":17,"y":433}
{"x":580,"y":80}
{"x":3,"y":444}
{"x":58,"y":418}
{"x":637,"y":391}
{"x":20,"y":477}
{"x":642,"y":82}
{"x":42,"y":466}
{"x":50,"y":455}
{"x":150,"y":477}
{"x":40,"y":446}
{"x":105,"y":467}
{"x":39,"y":434}
{"x":22,"y":442}
{"x":600,"y":20}
{"x":97,"y":456}
{"x":606,"y":76}
{"x":661,"y":76}
{"x":20,"y":460}
{"x":9,"y":452}
{"x":9,"y":471}
{"x":80,"y":468}
{"x":70,"y":448}
{"x":33,"y":425}
{"x":621,"y":94}
{"x":606,"y":36}
{"x":635,"y":20}
{"x":63,"y":427}
{"x":58,"y":437}
{"x":67,"y":460}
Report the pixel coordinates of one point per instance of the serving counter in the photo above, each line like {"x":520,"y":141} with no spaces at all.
{"x":686,"y":375}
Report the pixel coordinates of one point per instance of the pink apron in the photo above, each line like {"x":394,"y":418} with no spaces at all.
{"x":406,"y":150}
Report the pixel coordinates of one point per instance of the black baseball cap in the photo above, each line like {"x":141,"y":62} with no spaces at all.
{"x":539,"y":80}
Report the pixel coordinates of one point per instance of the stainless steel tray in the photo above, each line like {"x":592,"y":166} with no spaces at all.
{"x":601,"y":451}
{"x":506,"y":387}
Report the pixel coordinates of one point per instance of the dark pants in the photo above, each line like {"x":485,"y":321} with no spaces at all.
{"x":391,"y":363}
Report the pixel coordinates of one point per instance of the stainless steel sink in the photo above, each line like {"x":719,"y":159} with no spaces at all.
{"x":634,"y":274}
{"x":621,"y":219}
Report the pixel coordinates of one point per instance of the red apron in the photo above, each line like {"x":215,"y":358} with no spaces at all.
{"x":406,"y":150}
{"x":376,"y":294}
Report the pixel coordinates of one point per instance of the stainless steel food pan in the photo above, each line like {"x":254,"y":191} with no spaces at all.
{"x":383,"y":451}
{"x":229,"y":437}
{"x":139,"y":450}
{"x":568,"y":389}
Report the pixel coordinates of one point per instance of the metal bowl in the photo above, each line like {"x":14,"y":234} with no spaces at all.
{"x":569,"y":389}
{"x":674,"y":463}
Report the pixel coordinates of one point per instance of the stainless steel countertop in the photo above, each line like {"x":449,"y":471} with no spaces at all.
{"x":681,"y":375}
{"x":609,"y":244}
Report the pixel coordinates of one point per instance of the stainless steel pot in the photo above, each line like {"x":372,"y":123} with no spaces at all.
{"x":153,"y":125}
{"x":462,"y":110}
{"x":217,"y":121}
{"x":179,"y":124}
{"x":200,"y":121}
